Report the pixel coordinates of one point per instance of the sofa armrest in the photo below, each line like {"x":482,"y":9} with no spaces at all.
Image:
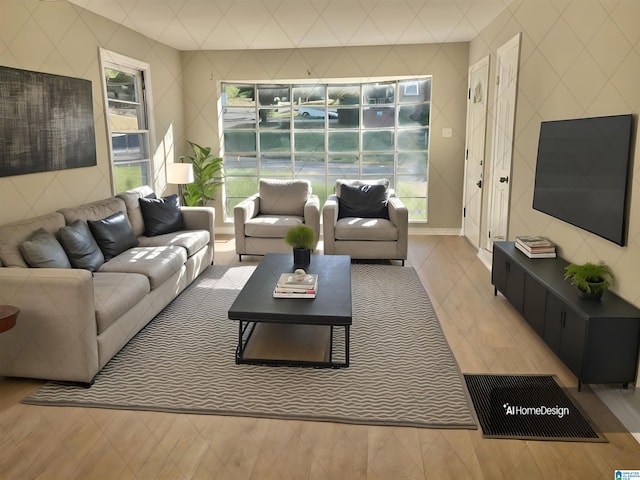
{"x":55,"y":336}
{"x":199,"y":218}
{"x":329,"y":219}
{"x":312,"y":216}
{"x":399,"y":216}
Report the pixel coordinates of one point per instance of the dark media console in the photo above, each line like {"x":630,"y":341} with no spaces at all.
{"x":598,"y":340}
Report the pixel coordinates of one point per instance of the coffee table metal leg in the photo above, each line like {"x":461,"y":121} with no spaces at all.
{"x":331,"y":345}
{"x":346,"y":345}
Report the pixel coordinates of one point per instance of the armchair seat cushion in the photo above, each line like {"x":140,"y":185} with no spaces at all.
{"x":374,"y":229}
{"x":271,"y":226}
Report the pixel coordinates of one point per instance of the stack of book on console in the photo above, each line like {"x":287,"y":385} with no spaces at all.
{"x":536,"y":247}
{"x":292,"y":286}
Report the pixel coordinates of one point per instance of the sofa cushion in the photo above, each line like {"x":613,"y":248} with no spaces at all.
{"x":364,"y":201}
{"x":376,"y":229}
{"x":192,"y":240}
{"x":12,"y":235}
{"x":81,"y":247}
{"x":283,"y":197}
{"x":44,"y":251}
{"x":161,"y":215}
{"x":115,"y":294}
{"x":131,"y":199}
{"x":271,"y":226}
{"x":156,"y":263}
{"x":113,"y":234}
{"x":94,"y":210}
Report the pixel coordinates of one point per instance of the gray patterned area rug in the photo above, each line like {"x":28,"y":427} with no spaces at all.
{"x":402,"y":370}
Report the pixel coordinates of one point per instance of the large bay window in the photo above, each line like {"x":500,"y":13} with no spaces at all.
{"x":322,"y":132}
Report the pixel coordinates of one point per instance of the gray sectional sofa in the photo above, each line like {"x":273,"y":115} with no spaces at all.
{"x":72,"y":321}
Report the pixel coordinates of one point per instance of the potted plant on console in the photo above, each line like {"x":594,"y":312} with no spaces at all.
{"x":591,"y":279}
{"x":301,"y":238}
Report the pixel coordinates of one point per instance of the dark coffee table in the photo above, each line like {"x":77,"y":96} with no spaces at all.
{"x":255,"y":306}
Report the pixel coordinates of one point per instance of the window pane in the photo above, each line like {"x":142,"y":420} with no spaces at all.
{"x":378,"y":140}
{"x":130,"y":146}
{"x":308,"y":164}
{"x":378,"y":117}
{"x":308,"y":95}
{"x":414,"y":91}
{"x":414,"y":115}
{"x":239,"y":117}
{"x":347,"y":118}
{"x":344,"y":141}
{"x":276,"y":165}
{"x":413,"y":191}
{"x":274,"y":118}
{"x":238,"y":95}
{"x":414,"y":163}
{"x":378,"y":93}
{"x":343,"y":165}
{"x":124,"y":116}
{"x":275,"y":141}
{"x":343,"y":95}
{"x":309,"y":141}
{"x":413,"y":139}
{"x":240,"y":165}
{"x":377,"y":164}
{"x":121,"y":85}
{"x":240,"y":141}
{"x":131,"y":175}
{"x":273,"y":95}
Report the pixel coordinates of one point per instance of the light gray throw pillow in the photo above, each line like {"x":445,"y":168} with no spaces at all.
{"x":44,"y":251}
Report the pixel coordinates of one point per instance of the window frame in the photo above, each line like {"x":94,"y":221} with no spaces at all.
{"x":261,"y":107}
{"x":142,"y":71}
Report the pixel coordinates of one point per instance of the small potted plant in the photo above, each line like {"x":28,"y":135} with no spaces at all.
{"x":302,"y":239}
{"x":590,"y":278}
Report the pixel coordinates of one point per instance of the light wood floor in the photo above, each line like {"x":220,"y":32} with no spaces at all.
{"x":485,"y":334}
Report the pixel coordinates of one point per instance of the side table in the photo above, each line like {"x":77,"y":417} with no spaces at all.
{"x":8,"y":315}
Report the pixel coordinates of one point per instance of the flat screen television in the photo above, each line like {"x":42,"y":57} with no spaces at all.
{"x":582,"y":173}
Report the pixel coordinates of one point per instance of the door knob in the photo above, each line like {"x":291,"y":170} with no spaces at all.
{"x":479,"y":183}
{"x":504,"y":179}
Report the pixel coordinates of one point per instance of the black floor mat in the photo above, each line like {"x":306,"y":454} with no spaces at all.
{"x":530,"y":407}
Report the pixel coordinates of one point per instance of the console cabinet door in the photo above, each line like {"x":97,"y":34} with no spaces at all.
{"x":565,"y":332}
{"x":535,"y":301}
{"x":508,"y":277}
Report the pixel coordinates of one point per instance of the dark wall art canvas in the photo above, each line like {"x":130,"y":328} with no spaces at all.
{"x":46,"y":122}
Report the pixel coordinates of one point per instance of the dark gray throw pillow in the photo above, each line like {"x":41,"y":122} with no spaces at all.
{"x":81,"y":247}
{"x":113,"y":234}
{"x":161,"y":215}
{"x":365,"y":201}
{"x":44,"y":251}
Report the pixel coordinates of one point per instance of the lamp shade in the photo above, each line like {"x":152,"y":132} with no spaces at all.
{"x":179,"y":173}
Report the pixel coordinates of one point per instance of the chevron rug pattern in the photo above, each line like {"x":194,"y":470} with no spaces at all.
{"x":402,"y":370}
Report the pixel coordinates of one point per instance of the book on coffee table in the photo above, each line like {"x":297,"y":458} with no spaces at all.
{"x":292,"y":286}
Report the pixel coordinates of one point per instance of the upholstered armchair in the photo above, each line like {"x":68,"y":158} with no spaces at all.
{"x":364,"y":219}
{"x":262,"y":220}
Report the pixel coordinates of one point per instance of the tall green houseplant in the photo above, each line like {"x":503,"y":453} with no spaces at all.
{"x":208,"y":176}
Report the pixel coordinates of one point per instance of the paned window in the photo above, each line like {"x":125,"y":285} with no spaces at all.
{"x":322,"y":132}
{"x":125,"y":87}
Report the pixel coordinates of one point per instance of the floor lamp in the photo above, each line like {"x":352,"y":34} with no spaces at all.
{"x":179,"y":174}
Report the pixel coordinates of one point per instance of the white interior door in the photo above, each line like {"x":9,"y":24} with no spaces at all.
{"x":474,"y":152}
{"x":508,"y":58}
